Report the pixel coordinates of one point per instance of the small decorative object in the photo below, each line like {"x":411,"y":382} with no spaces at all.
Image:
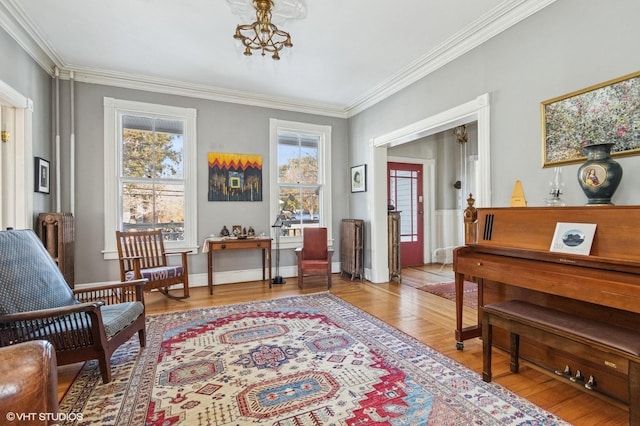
{"x":600,"y":175}
{"x":555,"y":189}
{"x":359,"y":178}
{"x":42,"y":175}
{"x":224,"y":232}
{"x":251,"y":232}
{"x":236,"y":230}
{"x":517,"y":196}
{"x":575,"y":238}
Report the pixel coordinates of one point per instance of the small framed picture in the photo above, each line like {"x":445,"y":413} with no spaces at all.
{"x":42,"y":183}
{"x":359,"y":178}
{"x":575,"y":238}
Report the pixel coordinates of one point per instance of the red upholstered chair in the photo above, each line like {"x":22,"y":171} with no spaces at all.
{"x":314,"y":257}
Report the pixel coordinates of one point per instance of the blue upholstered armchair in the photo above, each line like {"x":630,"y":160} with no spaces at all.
{"x":37,"y":304}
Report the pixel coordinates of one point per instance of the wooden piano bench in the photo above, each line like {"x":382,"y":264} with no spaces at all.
{"x":620,"y":346}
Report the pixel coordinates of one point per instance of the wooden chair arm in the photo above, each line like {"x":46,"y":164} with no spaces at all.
{"x":111,"y":294}
{"x":67,"y":327}
{"x":52,"y":312}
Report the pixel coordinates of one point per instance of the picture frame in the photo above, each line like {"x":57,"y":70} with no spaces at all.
{"x":359,"y":178}
{"x":604,"y":113}
{"x":42,"y":176}
{"x":573,"y":238}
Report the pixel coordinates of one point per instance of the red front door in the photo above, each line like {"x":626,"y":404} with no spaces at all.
{"x":404,"y":191}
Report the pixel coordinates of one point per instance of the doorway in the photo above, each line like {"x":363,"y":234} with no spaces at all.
{"x":405,"y":193}
{"x":474,"y":110}
{"x":16,"y":161}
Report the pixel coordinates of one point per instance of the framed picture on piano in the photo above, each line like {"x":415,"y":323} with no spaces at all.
{"x":574,"y":238}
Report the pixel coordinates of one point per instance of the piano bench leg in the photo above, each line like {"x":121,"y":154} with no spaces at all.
{"x":634,"y":393}
{"x":515,"y":352}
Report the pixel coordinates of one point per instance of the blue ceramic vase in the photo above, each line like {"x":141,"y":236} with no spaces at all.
{"x":600,"y":175}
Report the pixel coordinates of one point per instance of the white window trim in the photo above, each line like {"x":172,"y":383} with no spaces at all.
{"x":324,"y":173}
{"x":111,"y":199}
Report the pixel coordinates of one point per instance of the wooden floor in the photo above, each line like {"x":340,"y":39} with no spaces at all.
{"x":428,"y":318}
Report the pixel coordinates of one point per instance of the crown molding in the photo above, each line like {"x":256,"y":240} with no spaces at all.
{"x":496,"y":21}
{"x":171,"y":87}
{"x":13,"y":21}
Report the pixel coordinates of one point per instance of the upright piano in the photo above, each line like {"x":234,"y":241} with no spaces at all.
{"x":507,"y":252}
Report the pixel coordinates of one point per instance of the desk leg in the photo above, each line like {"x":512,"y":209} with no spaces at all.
{"x":210,"y":270}
{"x":269,"y":254}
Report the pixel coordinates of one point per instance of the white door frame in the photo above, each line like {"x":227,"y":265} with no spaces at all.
{"x":17,"y":161}
{"x":475,"y":110}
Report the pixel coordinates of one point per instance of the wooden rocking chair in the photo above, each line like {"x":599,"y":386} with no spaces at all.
{"x":141,"y":254}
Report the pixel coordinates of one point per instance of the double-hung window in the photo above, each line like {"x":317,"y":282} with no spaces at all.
{"x":150,"y":171}
{"x":300,"y":179}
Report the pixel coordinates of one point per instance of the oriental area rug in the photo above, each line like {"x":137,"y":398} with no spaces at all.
{"x":448,"y":291}
{"x":304,"y":360}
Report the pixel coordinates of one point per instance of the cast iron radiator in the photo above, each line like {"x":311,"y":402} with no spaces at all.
{"x":352,"y":247}
{"x":57,"y":234}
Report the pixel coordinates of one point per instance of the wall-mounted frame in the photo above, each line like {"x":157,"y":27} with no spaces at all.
{"x":605,"y":112}
{"x":42,"y":183}
{"x":359,"y":178}
{"x":234,"y":177}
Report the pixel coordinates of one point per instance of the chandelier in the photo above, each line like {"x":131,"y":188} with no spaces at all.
{"x":263,"y":35}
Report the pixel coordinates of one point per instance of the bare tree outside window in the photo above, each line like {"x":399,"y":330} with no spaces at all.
{"x":152,"y":180}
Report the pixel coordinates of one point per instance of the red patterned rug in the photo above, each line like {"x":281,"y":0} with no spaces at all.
{"x":304,"y":360}
{"x":448,"y":291}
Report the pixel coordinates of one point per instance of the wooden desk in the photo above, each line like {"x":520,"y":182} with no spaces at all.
{"x":213,"y":245}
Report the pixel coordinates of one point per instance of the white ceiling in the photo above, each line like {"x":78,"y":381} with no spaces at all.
{"x":347,"y":54}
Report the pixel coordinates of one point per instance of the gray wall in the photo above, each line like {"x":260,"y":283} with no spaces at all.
{"x":222,"y":127}
{"x":569,"y":45}
{"x":23,"y":74}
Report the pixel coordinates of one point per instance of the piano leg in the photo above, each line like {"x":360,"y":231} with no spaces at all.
{"x":465,"y":333}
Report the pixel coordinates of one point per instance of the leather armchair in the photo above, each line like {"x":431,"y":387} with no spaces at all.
{"x":29,"y":384}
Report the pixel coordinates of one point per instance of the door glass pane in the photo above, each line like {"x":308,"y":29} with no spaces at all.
{"x":403,"y":193}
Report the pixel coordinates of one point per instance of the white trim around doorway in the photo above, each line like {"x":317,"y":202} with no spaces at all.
{"x":474,"y":110}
